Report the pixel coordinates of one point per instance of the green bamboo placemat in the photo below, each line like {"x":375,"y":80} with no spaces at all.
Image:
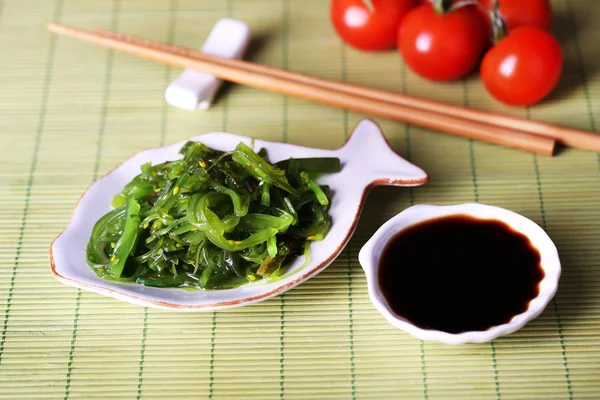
{"x":70,"y":112}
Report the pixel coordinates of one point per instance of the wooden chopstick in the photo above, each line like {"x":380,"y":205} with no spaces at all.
{"x":574,"y":138}
{"x":302,"y":87}
{"x":568,"y":136}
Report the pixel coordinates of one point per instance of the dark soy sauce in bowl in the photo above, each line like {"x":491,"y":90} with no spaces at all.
{"x":459,"y":273}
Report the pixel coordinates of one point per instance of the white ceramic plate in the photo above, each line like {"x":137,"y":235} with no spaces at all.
{"x":367,"y":161}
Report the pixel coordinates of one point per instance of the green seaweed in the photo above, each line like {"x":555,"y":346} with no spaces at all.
{"x":212,"y":219}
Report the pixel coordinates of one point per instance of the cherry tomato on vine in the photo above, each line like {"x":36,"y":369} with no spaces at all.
{"x":524,"y":67}
{"x":442,"y":47}
{"x":517,"y":13}
{"x":369,"y":25}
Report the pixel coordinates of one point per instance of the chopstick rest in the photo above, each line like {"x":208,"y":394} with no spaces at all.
{"x":192,"y":90}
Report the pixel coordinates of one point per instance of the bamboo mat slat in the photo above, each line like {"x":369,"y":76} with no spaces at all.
{"x":70,"y":112}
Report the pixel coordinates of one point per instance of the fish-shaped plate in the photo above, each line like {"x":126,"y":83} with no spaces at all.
{"x":366,"y":159}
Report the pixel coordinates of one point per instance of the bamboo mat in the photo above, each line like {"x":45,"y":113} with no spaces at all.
{"x":70,"y":112}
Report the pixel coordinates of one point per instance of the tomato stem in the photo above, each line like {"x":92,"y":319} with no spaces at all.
{"x":369,"y":5}
{"x":445,"y":6}
{"x":460,"y":4}
{"x":441,"y":7}
{"x":499,"y":29}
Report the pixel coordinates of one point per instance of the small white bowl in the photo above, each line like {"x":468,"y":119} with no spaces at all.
{"x":370,"y":254}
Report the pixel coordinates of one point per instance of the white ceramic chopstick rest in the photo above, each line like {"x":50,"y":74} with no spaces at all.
{"x":192,"y":90}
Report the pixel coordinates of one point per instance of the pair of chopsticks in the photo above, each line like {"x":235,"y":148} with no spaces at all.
{"x":513,"y":132}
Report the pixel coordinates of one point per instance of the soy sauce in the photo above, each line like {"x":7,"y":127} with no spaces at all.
{"x":459,"y":273}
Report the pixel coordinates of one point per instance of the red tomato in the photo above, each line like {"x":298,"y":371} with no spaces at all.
{"x":442,"y":47}
{"x":524,"y":67}
{"x":523,"y":12}
{"x":369,"y":29}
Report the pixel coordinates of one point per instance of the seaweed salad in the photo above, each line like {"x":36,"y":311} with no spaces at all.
{"x":212,"y":219}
